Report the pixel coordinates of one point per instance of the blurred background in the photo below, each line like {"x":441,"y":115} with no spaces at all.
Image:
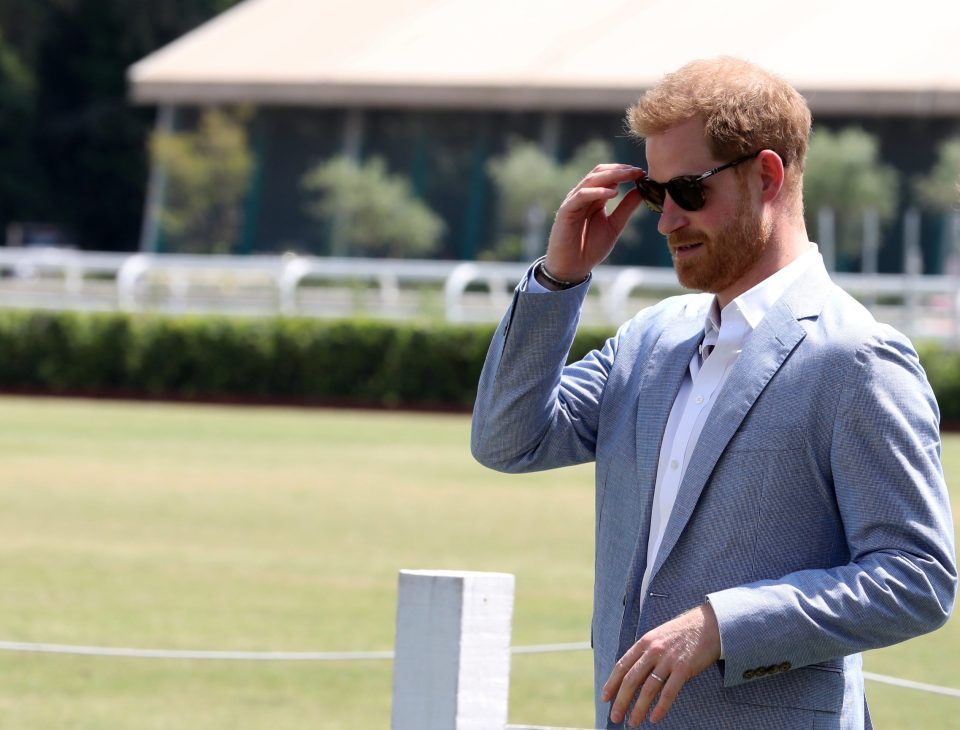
{"x":281,"y":203}
{"x":289,"y":125}
{"x":433,"y":131}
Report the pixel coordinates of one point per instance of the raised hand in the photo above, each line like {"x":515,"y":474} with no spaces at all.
{"x":583,"y":234}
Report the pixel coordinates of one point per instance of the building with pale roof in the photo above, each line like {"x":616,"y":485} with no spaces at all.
{"x":438,"y":87}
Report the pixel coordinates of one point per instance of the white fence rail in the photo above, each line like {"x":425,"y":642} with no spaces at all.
{"x":923,"y":306}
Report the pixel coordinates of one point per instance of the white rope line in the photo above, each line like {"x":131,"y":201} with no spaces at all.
{"x":261,"y":656}
{"x":346,"y":656}
{"x":909,"y":684}
{"x":247,"y":656}
{"x":549,"y":648}
{"x":538,"y":727}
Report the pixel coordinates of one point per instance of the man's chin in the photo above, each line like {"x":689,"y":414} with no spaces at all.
{"x":689,"y":279}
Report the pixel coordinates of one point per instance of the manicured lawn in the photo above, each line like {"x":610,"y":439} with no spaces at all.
{"x":172,"y":526}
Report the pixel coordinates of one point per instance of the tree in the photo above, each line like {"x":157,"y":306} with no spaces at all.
{"x":208,"y":175}
{"x":369,"y":211}
{"x":844,"y":173}
{"x":940,"y":189}
{"x":86,"y":143}
{"x":18,"y":200}
{"x":530,"y":184}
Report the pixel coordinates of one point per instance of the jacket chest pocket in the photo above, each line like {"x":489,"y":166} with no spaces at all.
{"x":792,"y":508}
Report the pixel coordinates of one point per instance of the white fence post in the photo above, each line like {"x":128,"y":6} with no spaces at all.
{"x":827,"y":237}
{"x":912,"y":265}
{"x":452,"y":665}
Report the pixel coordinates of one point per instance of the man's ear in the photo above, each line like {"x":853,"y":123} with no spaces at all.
{"x":771,"y":174}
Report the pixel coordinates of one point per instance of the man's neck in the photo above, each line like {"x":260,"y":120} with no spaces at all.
{"x":788,"y":242}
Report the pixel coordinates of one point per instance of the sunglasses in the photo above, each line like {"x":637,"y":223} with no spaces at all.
{"x":686,"y":190}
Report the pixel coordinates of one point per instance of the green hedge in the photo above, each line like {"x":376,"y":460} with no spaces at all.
{"x":279,"y":360}
{"x":943,"y":371}
{"x":283,"y":360}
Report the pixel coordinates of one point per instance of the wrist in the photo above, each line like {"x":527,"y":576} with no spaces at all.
{"x":549,"y":280}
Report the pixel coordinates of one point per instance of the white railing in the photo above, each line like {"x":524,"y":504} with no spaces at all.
{"x":923,"y":306}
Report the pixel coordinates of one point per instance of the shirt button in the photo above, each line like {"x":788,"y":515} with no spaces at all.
{"x":674,"y":464}
{"x":699,"y":399}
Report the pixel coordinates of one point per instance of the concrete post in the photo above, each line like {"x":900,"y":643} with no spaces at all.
{"x":452,"y":665}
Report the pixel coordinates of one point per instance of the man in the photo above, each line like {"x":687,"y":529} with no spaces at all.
{"x":769,"y":496}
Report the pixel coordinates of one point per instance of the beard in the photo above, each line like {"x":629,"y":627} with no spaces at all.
{"x":725,"y":257}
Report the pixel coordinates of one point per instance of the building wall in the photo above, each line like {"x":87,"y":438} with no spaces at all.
{"x":445,"y":155}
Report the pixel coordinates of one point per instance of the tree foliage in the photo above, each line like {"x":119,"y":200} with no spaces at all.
{"x":531,"y":185}
{"x":16,"y":110}
{"x":371,"y":212}
{"x":208,"y":174}
{"x":940,"y":189}
{"x":526,"y":176}
{"x":844,"y":173}
{"x":85,"y":143}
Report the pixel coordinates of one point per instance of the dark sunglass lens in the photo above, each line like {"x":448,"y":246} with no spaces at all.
{"x":652,"y":193}
{"x":687,"y":193}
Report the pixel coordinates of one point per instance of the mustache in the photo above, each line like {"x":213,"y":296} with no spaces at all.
{"x":684,"y":237}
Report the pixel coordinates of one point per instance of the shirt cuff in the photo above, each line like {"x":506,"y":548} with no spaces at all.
{"x":720,"y":632}
{"x":534,"y":286}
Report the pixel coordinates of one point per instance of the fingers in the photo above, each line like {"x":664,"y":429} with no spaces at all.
{"x":599,"y":184}
{"x":671,"y":688}
{"x":611,"y":174}
{"x":620,"y":669}
{"x":647,"y":681}
{"x":583,"y":234}
{"x":641,"y":680}
{"x":673,"y":652}
{"x":625,"y":208}
{"x":651,"y":686}
{"x":579,"y":199}
{"x":630,"y":674}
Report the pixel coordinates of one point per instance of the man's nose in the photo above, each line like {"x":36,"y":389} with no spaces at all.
{"x":672,"y":218}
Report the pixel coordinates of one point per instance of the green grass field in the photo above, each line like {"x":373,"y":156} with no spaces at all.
{"x":172,"y":526}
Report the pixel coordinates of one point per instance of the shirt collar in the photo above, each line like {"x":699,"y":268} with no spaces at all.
{"x":742,"y":315}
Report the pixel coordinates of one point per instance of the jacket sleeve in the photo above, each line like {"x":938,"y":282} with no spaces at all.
{"x":901,"y":578}
{"x":532,"y":412}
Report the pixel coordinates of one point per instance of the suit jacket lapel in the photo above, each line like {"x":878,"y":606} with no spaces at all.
{"x":662,"y":376}
{"x":765,"y":351}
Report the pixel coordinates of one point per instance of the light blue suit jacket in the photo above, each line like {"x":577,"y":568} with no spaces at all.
{"x":813,"y":514}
